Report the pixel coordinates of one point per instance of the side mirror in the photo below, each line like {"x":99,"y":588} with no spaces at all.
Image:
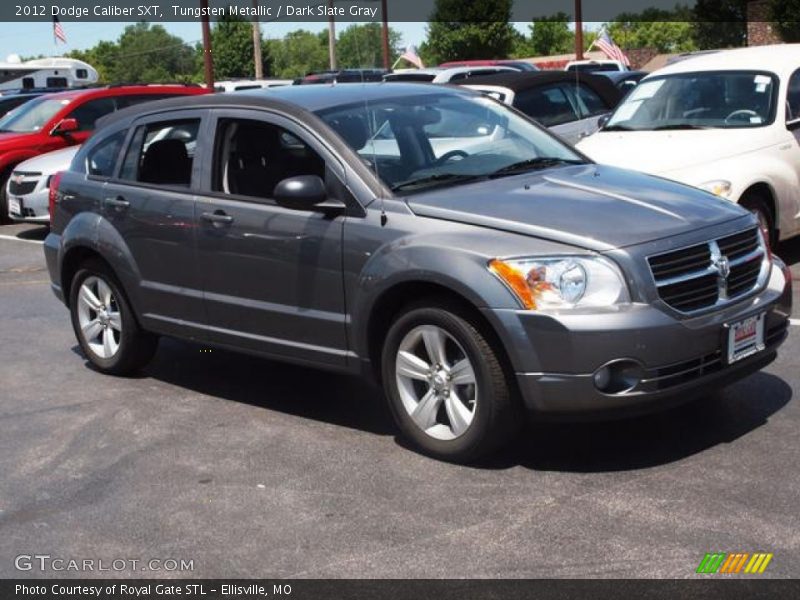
{"x":793,"y":124}
{"x":65,"y":126}
{"x":601,"y":122}
{"x":304,"y":192}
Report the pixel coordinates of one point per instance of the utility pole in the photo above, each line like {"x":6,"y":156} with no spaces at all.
{"x":331,"y":38}
{"x":208,"y":60}
{"x":385,"y":35}
{"x":578,"y":30}
{"x":257,"y":43}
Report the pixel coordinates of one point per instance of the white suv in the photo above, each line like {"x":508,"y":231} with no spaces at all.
{"x":727,"y":122}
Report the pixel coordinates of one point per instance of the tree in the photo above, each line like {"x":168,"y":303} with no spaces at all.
{"x":785,"y":14}
{"x":298,"y":53}
{"x":362,"y":46}
{"x":232,"y":43}
{"x":665,"y":30}
{"x":150,"y":54}
{"x":101,"y":56}
{"x":720,"y":24}
{"x":460,"y":30}
{"x":551,"y":35}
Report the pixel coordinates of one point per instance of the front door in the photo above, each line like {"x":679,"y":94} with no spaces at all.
{"x":272,"y":276}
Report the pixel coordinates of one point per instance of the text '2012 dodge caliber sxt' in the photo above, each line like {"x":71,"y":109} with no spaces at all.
{"x":429,"y":236}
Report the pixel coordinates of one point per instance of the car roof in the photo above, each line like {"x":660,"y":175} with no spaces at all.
{"x":290,"y":98}
{"x":783,"y":59}
{"x":526,"y":80}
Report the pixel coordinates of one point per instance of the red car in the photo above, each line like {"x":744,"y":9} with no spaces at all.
{"x":55,"y":121}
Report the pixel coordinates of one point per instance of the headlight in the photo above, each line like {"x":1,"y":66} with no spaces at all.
{"x":562,"y":281}
{"x":719,"y":187}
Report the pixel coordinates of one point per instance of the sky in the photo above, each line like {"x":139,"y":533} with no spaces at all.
{"x":32,"y":39}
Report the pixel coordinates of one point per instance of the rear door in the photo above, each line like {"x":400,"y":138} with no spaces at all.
{"x":272,"y":276}
{"x":151,"y":203}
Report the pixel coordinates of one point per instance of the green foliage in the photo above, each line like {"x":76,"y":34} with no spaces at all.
{"x":298,"y":53}
{"x":551,"y":36}
{"x":719,"y":24}
{"x":142,"y":54}
{"x":232,"y":44}
{"x":786,"y":15}
{"x":460,"y":30}
{"x":361,"y":46}
{"x":664,"y":36}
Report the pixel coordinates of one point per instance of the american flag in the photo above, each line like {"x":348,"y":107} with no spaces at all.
{"x":610,"y":49}
{"x":411,"y":56}
{"x":58,"y":31}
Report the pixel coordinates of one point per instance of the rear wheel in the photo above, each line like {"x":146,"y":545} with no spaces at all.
{"x":758,"y":205}
{"x":104,"y":323}
{"x":446,"y":385}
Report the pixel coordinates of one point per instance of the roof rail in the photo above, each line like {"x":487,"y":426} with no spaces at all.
{"x":150,"y":84}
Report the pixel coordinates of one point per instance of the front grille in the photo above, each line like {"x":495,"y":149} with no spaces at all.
{"x":710,"y":274}
{"x":21,"y":184}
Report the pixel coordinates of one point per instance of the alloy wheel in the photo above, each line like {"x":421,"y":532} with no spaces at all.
{"x":99,"y":317}
{"x":436,"y":382}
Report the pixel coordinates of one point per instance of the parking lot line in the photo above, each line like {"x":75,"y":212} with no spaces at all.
{"x":14,"y":238}
{"x":794,"y":321}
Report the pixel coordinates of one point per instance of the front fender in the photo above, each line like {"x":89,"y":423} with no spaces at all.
{"x":9,"y":160}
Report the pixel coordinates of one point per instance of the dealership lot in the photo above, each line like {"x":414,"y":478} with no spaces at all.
{"x":253,"y":468}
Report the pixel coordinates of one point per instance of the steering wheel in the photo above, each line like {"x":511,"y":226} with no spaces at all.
{"x":450,"y":155}
{"x":743,"y":112}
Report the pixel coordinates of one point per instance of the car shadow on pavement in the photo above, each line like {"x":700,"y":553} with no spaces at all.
{"x":36,"y":233}
{"x":304,"y":392}
{"x":790,"y":251}
{"x":651,"y":440}
{"x":345,"y":401}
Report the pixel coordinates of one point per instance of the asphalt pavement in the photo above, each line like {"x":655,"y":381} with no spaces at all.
{"x":250,"y":468}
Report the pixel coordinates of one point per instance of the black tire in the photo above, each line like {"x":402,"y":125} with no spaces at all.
{"x":496,"y":412}
{"x":136,"y":346}
{"x":4,"y":218}
{"x":758,"y":205}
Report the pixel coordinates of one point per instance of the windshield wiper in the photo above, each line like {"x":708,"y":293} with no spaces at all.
{"x":438,"y":178}
{"x":678,"y":126}
{"x":534,"y":164}
{"x":618,"y":128}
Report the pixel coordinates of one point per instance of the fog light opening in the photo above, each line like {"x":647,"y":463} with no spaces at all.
{"x":618,"y":377}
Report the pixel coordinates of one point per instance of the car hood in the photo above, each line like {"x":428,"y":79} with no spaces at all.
{"x":590,"y":206}
{"x":661,"y":152}
{"x":51,"y":162}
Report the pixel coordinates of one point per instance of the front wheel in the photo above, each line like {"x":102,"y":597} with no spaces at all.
{"x":446,"y":385}
{"x":104,"y":323}
{"x":761,"y":210}
{"x":4,"y":217}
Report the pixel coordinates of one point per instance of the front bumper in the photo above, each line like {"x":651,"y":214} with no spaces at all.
{"x":556,"y":356}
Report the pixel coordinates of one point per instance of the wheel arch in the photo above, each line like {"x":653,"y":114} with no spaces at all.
{"x":394,"y":300}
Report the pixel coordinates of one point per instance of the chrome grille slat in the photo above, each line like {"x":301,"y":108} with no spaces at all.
{"x":715,"y":273}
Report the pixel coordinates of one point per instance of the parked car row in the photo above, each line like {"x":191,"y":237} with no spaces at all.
{"x":57,"y":121}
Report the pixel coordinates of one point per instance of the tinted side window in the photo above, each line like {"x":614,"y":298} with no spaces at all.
{"x":56,"y":82}
{"x":251,"y":157}
{"x":103,"y":157}
{"x":793,"y":97}
{"x":88,"y":112}
{"x":590,"y":103}
{"x":548,"y":105}
{"x":162,"y":153}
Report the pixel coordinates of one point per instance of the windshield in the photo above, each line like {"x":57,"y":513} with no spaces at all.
{"x":414,"y":142}
{"x":728,"y":99}
{"x":31,"y":116}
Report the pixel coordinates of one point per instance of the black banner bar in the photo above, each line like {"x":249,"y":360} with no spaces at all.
{"x":711,"y":587}
{"x":364,"y":11}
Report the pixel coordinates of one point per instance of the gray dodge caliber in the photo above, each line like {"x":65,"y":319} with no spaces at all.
{"x":470,"y":261}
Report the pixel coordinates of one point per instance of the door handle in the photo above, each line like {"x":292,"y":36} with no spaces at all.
{"x":118,"y":202}
{"x":218,"y":217}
